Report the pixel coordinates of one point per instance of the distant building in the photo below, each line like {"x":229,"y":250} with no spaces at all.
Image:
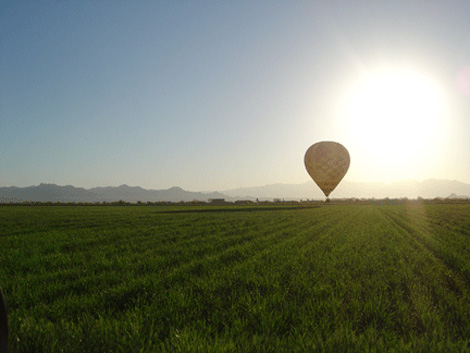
{"x":217,"y":201}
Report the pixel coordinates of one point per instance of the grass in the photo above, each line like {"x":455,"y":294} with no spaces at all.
{"x":392,"y":278}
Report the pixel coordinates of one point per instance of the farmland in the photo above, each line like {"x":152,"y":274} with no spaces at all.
{"x":336,"y":278}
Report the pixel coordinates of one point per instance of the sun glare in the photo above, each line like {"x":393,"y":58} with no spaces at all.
{"x":395,"y":114}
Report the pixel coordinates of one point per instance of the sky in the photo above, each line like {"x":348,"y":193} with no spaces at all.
{"x":214,"y":95}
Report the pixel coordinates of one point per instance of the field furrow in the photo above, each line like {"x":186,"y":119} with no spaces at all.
{"x":232,"y":279}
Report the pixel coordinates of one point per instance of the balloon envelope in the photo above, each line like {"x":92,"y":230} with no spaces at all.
{"x":327,"y":162}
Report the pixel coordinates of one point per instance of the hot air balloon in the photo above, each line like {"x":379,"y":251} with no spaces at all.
{"x":327,"y":162}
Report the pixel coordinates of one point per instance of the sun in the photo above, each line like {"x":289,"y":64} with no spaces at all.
{"x":394,"y":114}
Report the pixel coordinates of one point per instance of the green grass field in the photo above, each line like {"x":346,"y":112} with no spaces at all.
{"x":361,"y":278}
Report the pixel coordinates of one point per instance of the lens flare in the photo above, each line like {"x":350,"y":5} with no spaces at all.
{"x":463,"y":80}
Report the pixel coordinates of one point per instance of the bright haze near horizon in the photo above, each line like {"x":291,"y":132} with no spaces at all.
{"x":212,"y":95}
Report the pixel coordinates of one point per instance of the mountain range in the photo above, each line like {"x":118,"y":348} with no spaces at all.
{"x":430,"y":188}
{"x":408,"y":188}
{"x":69,"y":193}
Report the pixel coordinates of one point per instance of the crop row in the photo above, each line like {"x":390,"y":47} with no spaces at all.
{"x":146,"y":279}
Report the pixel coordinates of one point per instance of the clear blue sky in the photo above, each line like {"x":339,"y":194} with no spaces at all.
{"x":212,"y":95}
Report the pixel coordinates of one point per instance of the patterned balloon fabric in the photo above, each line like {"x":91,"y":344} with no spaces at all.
{"x":327,"y":162}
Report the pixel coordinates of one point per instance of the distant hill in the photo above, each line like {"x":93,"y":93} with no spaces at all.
{"x":409,"y":188}
{"x":346,"y":189}
{"x":57,"y":193}
{"x":454,"y":196}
